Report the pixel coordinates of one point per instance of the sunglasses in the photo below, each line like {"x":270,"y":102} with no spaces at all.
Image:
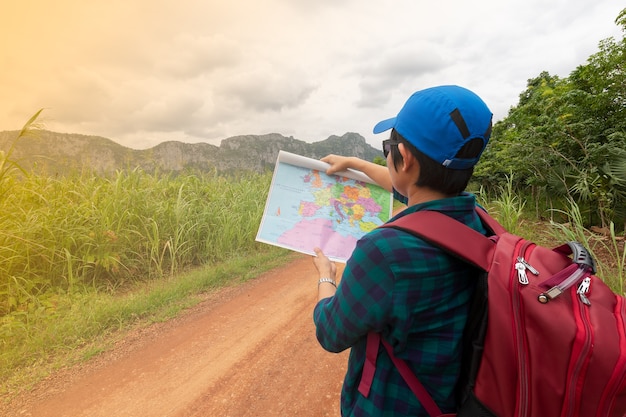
{"x":387,"y":144}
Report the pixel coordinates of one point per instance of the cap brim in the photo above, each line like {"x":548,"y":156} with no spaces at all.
{"x":385,"y":125}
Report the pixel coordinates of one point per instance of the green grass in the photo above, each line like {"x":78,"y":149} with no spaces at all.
{"x":86,"y":324}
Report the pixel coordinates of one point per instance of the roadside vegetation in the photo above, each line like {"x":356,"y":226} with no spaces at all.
{"x":84,"y":257}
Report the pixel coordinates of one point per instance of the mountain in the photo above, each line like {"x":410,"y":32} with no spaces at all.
{"x":60,"y":153}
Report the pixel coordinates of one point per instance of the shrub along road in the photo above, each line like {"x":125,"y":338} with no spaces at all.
{"x":248,"y":350}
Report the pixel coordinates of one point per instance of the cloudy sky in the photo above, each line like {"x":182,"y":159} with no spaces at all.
{"x":141,"y":72}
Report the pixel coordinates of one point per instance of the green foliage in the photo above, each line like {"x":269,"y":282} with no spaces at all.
{"x":379,"y":160}
{"x":566,"y":138}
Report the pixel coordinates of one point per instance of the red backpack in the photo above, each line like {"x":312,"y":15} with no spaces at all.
{"x":545,"y":337}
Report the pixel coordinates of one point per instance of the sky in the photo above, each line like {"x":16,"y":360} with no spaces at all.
{"x":143,"y":72}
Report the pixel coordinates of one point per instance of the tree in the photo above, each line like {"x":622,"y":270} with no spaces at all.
{"x":520,"y":140}
{"x":567,"y":137}
{"x":597,"y":129}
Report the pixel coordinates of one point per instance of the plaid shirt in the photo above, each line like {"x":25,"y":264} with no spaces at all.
{"x":417,"y":297}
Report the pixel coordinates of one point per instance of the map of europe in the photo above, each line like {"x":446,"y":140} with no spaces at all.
{"x":307,"y":208}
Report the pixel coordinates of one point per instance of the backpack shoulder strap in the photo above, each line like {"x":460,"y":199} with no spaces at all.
{"x":374,"y":340}
{"x":488,"y":221}
{"x":452,"y":236}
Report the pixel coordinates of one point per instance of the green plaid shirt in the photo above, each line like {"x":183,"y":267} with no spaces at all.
{"x":417,"y":297}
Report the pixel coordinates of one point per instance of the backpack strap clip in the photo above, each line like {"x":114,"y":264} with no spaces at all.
{"x":582,"y":257}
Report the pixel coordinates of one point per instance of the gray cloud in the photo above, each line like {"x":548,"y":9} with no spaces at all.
{"x":264,"y":88}
{"x":190,"y":56}
{"x":142,"y":72}
{"x":396,"y":68}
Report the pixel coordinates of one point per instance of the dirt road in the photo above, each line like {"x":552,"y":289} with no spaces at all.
{"x":249,"y":350}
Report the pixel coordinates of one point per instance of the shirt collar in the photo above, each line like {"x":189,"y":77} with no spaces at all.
{"x":462,"y":203}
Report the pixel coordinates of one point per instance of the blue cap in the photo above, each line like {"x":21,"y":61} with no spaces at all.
{"x":438,"y":121}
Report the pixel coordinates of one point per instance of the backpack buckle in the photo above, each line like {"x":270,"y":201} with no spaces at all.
{"x":582,"y":257}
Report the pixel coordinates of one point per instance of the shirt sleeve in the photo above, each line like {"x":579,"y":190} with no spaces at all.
{"x":363,"y":300}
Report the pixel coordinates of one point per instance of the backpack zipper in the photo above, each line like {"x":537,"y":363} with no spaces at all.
{"x":583,"y":289}
{"x":523,"y":406}
{"x":522,"y":265}
{"x":581,"y":354}
{"x":618,"y":377}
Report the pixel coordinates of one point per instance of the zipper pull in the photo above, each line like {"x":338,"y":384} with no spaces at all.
{"x":521,"y":273}
{"x":558,"y":289}
{"x":528,"y":266}
{"x":583,"y":289}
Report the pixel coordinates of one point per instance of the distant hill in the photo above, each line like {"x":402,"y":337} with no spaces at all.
{"x":61,"y":153}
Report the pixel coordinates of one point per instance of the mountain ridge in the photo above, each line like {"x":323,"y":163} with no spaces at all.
{"x":56,"y":153}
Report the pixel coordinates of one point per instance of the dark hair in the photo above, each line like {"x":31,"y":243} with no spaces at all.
{"x":433,"y":175}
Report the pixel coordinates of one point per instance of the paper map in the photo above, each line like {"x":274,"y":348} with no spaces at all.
{"x":306,"y":208}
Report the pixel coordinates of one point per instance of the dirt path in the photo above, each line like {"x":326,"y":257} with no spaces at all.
{"x":245,"y":351}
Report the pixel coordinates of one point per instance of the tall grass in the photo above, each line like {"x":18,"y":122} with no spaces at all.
{"x":70,"y":246}
{"x":8,"y":165}
{"x":608,"y":251}
{"x":64,"y":234}
{"x":506,"y":206}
